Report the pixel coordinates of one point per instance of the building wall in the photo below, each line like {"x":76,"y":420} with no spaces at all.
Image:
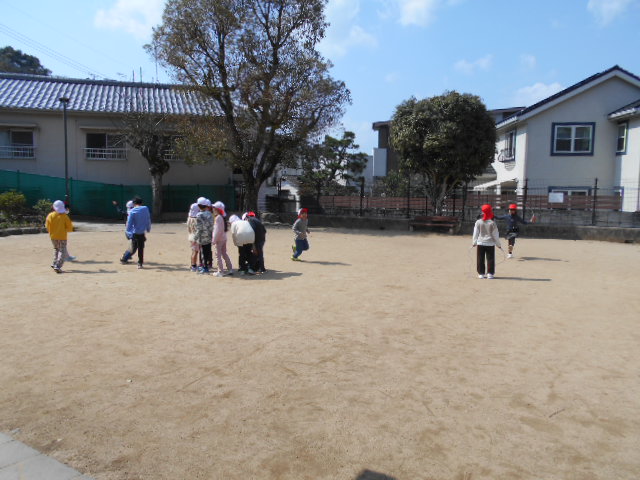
{"x":592,"y":105}
{"x":629,"y":168}
{"x":49,"y":142}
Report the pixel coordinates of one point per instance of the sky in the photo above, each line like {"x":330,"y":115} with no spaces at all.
{"x":510,"y":53}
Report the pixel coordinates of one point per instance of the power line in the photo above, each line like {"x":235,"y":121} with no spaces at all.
{"x":60,"y":32}
{"x":50,"y":52}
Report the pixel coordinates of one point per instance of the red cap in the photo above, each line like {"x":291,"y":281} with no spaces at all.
{"x":251,"y":214}
{"x":513,"y":206}
{"x":487,"y":212}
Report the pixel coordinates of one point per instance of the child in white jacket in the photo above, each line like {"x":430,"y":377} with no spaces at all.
{"x":486,"y":238}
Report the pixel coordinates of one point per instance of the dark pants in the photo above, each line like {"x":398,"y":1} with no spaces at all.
{"x":258,"y":257}
{"x":207,"y":255}
{"x":301,"y":246}
{"x":137,"y":245}
{"x":490,"y":253}
{"x":245,"y":257}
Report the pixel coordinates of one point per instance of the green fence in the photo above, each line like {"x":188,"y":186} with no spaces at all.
{"x":96,"y":199}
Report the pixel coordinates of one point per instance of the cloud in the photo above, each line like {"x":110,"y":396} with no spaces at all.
{"x":606,"y":11}
{"x":468,"y":68}
{"x":528,"y":61}
{"x":417,"y":12}
{"x":134,"y":16}
{"x":343,"y":33}
{"x":534,"y":93}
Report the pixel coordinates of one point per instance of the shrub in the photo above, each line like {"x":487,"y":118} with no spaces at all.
{"x":42,"y":208}
{"x":12,"y":204}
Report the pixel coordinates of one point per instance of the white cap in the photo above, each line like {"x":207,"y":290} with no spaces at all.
{"x":233,"y":218}
{"x":59,"y":207}
{"x":202,"y":201}
{"x":193,"y":210}
{"x":130,"y":204}
{"x":220,"y":206}
{"x":208,"y":202}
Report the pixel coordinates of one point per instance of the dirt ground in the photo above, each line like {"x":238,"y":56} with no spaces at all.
{"x":380,"y":354}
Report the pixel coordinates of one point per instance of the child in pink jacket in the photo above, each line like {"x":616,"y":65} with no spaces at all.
{"x":219,"y":239}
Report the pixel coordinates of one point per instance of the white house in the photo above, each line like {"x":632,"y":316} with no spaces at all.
{"x":32,"y":129}
{"x":588,"y":131}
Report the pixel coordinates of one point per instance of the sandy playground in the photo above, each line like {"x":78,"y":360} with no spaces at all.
{"x":380,"y":356}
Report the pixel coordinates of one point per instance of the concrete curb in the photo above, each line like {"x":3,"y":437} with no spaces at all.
{"x":21,"y":231}
{"x":19,"y":461}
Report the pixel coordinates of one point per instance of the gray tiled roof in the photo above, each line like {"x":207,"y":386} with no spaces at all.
{"x":36,"y":92}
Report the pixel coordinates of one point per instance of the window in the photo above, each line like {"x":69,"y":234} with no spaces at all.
{"x":621,"y":146}
{"x":16,"y":144}
{"x":170,"y":152}
{"x":510,"y":145}
{"x":106,"y":146}
{"x":572,"y":138}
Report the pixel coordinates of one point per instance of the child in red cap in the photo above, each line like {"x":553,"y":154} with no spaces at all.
{"x":486,"y":238}
{"x":301,"y":230}
{"x":513,"y":219}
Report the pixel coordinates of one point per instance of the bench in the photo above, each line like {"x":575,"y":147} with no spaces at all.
{"x":451,"y":224}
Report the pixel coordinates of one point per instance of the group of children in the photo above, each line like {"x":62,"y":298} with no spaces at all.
{"x":486,"y":238}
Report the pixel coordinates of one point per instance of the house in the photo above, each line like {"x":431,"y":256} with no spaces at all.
{"x":562,"y":144}
{"x":37,"y":112}
{"x":563,"y":147}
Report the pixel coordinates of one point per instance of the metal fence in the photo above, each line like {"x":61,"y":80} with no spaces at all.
{"x":590,"y":206}
{"x":96,"y":199}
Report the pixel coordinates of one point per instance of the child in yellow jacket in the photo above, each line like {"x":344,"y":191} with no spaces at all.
{"x":58,"y":224}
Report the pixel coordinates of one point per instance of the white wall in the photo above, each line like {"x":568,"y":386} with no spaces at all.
{"x":629,"y":168}
{"x":379,"y":162}
{"x":591,"y":106}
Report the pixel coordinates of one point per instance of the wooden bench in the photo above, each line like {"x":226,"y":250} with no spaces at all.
{"x":450,"y":224}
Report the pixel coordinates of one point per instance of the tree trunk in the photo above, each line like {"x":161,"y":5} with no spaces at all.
{"x":156,"y":190}
{"x":251,"y":196}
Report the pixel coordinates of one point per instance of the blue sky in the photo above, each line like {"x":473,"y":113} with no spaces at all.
{"x":508,"y":52}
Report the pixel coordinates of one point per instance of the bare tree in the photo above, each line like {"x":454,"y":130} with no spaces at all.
{"x":256,"y":60}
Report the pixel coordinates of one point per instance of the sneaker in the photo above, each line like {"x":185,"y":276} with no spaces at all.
{"x":228,"y":272}
{"x":57,"y":270}
{"x":295,"y":259}
{"x":139,"y":266}
{"x":203,"y":271}
{"x":123,"y":261}
{"x":293,"y":248}
{"x":510,"y":255}
{"x":193,"y":268}
{"x":480,"y":276}
{"x":218,"y":274}
{"x":71,"y":258}
{"x":250,"y":272}
{"x":490,"y":276}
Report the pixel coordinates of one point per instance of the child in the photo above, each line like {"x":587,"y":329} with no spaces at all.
{"x":138,"y":223}
{"x":243,"y":237}
{"x":513,"y":219}
{"x":58,"y":224}
{"x":203,"y":234}
{"x":486,"y":238}
{"x":220,"y":239}
{"x":191,"y":229}
{"x":258,"y":244}
{"x":301,"y":231}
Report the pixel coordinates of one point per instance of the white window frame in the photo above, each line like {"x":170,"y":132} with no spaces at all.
{"x":625,"y":135}
{"x":573,"y":138}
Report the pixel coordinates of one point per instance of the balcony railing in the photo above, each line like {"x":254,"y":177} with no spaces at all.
{"x":17,"y":151}
{"x":106,"y":153}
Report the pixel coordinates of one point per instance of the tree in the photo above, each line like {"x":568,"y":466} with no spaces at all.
{"x":15,"y":61}
{"x":256,"y":60}
{"x":449,"y":139}
{"x":334,"y":159}
{"x":153,"y":136}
